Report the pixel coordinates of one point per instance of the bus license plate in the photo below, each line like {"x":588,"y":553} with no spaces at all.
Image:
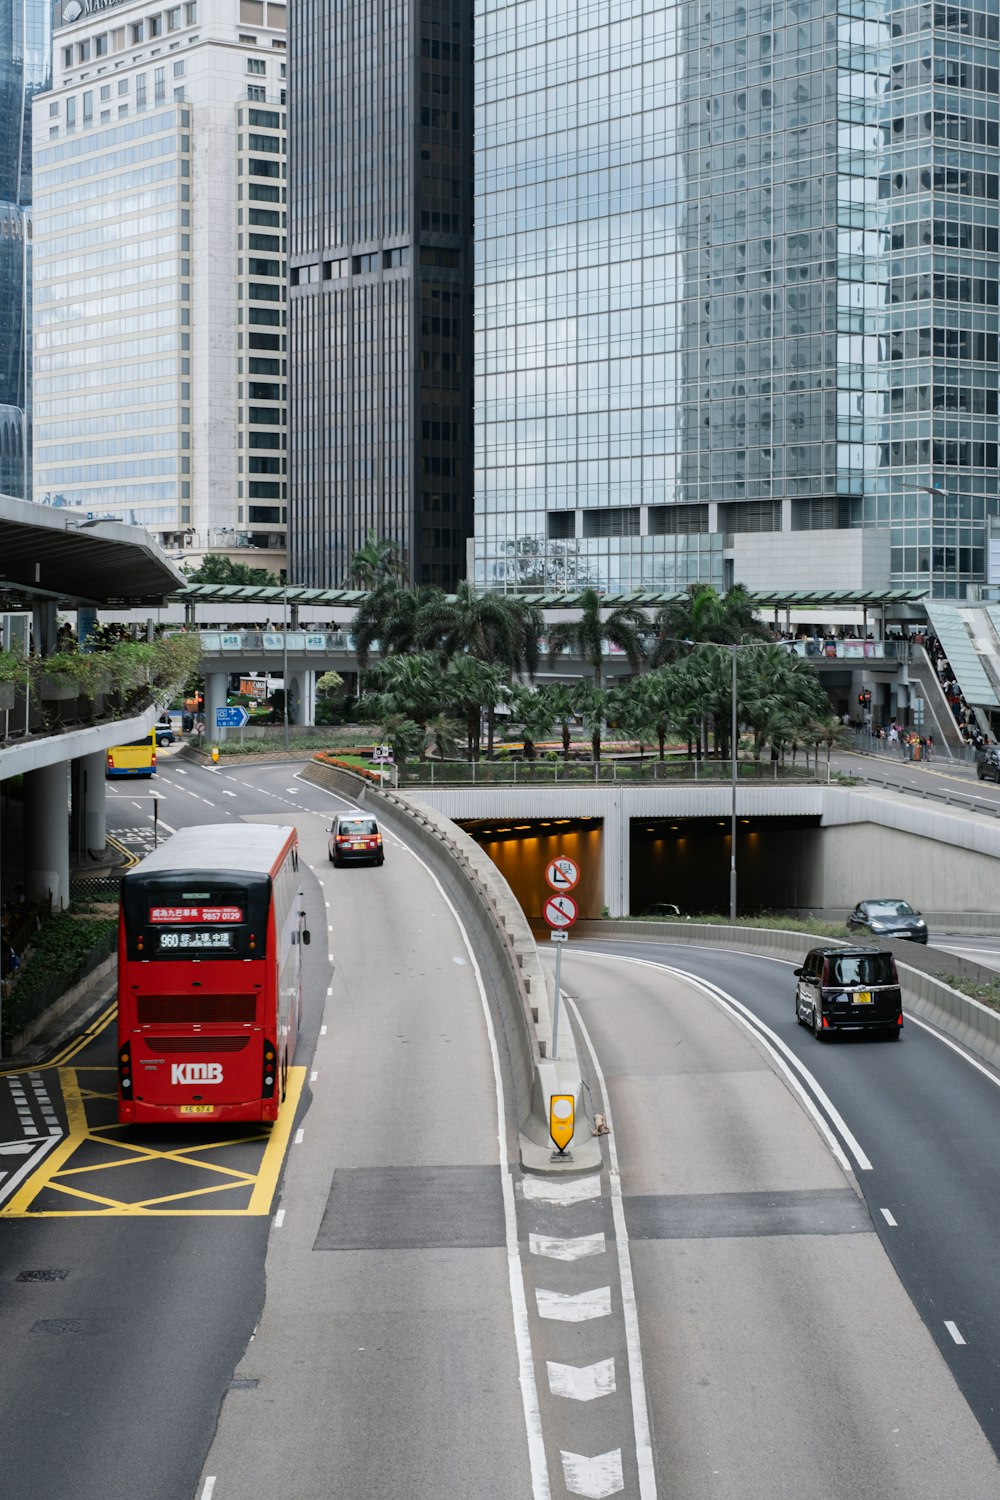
{"x":863,"y":997}
{"x":197,"y":1109}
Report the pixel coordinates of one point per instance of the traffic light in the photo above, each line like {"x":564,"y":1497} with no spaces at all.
{"x":865,"y":696}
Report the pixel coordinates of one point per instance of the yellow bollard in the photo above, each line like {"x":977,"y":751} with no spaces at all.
{"x":215,"y":755}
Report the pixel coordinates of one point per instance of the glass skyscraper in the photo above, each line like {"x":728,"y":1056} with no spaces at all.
{"x":380,"y":302}
{"x":25,"y":32}
{"x":736,"y":273}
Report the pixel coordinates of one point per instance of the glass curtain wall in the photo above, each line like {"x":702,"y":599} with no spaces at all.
{"x":937,"y":477}
{"x":25,"y":32}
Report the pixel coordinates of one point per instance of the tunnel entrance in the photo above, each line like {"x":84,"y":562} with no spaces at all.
{"x":685,"y":862}
{"x":521,"y":849}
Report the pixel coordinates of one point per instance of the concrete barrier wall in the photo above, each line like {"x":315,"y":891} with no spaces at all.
{"x":519,"y":982}
{"x":968,"y":1021}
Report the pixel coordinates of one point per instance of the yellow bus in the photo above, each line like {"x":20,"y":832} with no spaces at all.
{"x":137,"y":758}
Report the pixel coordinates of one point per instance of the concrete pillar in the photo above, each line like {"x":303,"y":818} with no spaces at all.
{"x":216,"y":684}
{"x":615,"y":841}
{"x":88,"y":806}
{"x":46,"y":834}
{"x":304,"y":696}
{"x":44,"y":629}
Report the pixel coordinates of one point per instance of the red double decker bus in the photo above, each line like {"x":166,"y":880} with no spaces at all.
{"x":210,"y":975}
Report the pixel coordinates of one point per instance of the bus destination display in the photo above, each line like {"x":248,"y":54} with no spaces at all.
{"x":190,"y":940}
{"x":175,"y":914}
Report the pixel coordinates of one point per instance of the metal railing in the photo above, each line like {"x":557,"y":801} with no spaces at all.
{"x":604,"y":772}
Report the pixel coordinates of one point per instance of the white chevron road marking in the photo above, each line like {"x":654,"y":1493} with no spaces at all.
{"x":558,"y":1249}
{"x":578,"y":1307}
{"x":582,"y":1382}
{"x":557,"y":1190}
{"x":595,"y":1477}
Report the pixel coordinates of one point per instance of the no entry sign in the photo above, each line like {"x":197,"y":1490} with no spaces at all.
{"x":562,"y":874}
{"x":560,"y":911}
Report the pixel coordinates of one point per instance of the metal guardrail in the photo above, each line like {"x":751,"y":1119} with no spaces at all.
{"x":603,"y":772}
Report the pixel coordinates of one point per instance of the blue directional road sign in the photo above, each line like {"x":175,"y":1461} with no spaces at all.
{"x":231,"y":718}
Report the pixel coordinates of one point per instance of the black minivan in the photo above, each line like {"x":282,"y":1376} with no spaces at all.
{"x":849,"y":989}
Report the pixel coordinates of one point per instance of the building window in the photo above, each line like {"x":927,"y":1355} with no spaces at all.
{"x":101,"y":45}
{"x":178,"y":70}
{"x":123,"y":85}
{"x":67,"y":57}
{"x":70,"y":114}
{"x":159,"y":85}
{"x":136,"y":33}
{"x":83,"y":51}
{"x":256,"y":65}
{"x":53,"y":109}
{"x":191,"y":12}
{"x":174,"y":19}
{"x":256,"y":92}
{"x":155,"y":24}
{"x":140,"y":91}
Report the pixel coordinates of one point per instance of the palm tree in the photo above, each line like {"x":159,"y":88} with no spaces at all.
{"x":705,"y":615}
{"x":409,"y":685}
{"x":533,"y":710}
{"x":379,"y":561}
{"x":624,"y":627}
{"x":499,"y":629}
{"x":560,"y":701}
{"x":654,"y":706}
{"x":468,"y":684}
{"x":591,"y":703}
{"x":387,"y":617}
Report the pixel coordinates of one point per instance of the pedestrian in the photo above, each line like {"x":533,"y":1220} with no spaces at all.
{"x":929,"y":747}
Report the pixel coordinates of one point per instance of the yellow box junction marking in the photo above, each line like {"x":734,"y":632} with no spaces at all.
{"x":56,"y":1175}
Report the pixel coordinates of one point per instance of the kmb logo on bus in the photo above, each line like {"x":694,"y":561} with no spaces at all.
{"x":196,"y":1073}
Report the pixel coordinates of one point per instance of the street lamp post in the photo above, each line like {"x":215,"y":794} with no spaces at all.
{"x":284,"y":669}
{"x":732,"y":838}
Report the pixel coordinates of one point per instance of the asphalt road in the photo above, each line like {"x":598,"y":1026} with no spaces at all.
{"x":806,"y":1340}
{"x":426,"y":1331}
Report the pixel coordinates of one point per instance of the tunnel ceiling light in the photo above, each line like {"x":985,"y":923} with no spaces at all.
{"x":521,"y":827}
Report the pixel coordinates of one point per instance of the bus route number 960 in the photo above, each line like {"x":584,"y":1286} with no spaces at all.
{"x":187,"y":940}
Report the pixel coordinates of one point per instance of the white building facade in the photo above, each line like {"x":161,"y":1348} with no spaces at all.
{"x":159,"y":272}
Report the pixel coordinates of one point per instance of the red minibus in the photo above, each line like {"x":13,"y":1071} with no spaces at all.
{"x":210,"y":975}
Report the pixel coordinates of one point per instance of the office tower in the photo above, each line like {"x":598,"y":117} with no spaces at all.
{"x":734,"y":289}
{"x":380,"y":301}
{"x":25,"y":29}
{"x":160,"y":272}
{"x":937,"y":481}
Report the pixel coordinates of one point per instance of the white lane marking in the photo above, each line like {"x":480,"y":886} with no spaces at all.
{"x":637,"y":1380}
{"x":559,"y":1249}
{"x":887,"y":1216}
{"x":574,"y":1307}
{"x":137,"y":804}
{"x":939,"y":1036}
{"x":299,"y":1134}
{"x":313,"y":1077}
{"x":206,"y":1493}
{"x":953,"y":1331}
{"x":279,"y":1218}
{"x":293,"y":789}
{"x":207,"y":803}
{"x":595,"y":1477}
{"x":786,"y":1061}
{"x":460,"y":961}
{"x":181,"y":772}
{"x":561,"y":1190}
{"x":322,"y":1029}
{"x":16,"y":1148}
{"x":582,"y":1382}
{"x":226,"y":793}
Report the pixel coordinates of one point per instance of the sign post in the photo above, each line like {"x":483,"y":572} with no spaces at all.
{"x":382,"y":757}
{"x":560,"y":912}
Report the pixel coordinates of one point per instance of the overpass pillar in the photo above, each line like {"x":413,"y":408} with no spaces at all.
{"x":46,"y":835}
{"x":304,"y":696}
{"x":616,"y":855}
{"x":88,"y":805}
{"x":216,"y":684}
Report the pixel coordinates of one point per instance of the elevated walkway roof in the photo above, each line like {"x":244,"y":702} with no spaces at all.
{"x":47,"y":555}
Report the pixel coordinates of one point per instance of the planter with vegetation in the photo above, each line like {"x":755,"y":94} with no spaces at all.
{"x":66,"y":949}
